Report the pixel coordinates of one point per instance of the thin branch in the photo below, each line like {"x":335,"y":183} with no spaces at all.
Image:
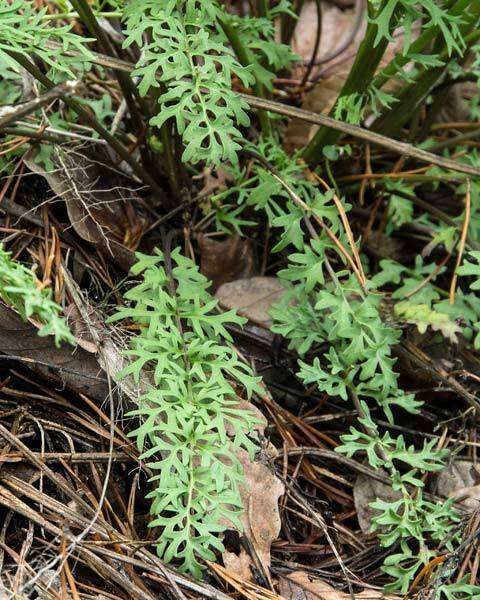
{"x":361,"y":133}
{"x":9,"y":114}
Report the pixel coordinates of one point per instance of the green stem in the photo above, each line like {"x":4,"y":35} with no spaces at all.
{"x":246,"y":59}
{"x":289,"y":22}
{"x":86,"y":14}
{"x":173,"y":169}
{"x":359,"y":77}
{"x":262,"y":8}
{"x":391,"y":122}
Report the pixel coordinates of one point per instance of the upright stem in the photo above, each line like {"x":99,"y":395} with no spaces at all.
{"x":288,"y":23}
{"x":128,"y":89}
{"x":262,"y":8}
{"x":360,"y":76}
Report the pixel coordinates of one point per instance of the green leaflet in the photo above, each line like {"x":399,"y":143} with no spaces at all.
{"x":24,"y":31}
{"x":336,"y":314}
{"x":187,"y":56}
{"x":19,"y":289}
{"x":191,"y":426}
{"x":262,"y":191}
{"x":392,"y":13}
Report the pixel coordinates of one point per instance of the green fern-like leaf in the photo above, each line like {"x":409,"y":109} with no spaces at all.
{"x":19,"y":288}
{"x":191,"y":425}
{"x":184,"y":54}
{"x":24,"y":31}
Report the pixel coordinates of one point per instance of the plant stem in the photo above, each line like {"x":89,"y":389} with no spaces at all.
{"x":173,"y":169}
{"x":85,"y":12}
{"x":364,"y":134}
{"x":262,"y":8}
{"x":23,"y":109}
{"x":359,"y":77}
{"x":74,"y":15}
{"x":288,"y":22}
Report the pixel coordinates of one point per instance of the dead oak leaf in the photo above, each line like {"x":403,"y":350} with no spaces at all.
{"x":252,"y":298}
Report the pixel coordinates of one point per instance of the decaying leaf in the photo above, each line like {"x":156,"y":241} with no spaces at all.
{"x":238,"y":563}
{"x":298,"y":586}
{"x":74,"y":367}
{"x":260,"y":492}
{"x":94,"y":203}
{"x":252,"y":298}
{"x":225,"y":260}
{"x":365,"y":491}
{"x":459,"y":480}
{"x":214,"y":180}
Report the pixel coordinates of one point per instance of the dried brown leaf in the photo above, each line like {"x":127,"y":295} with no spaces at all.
{"x":260,"y":493}
{"x":252,"y":298}
{"x":76,"y":368}
{"x":94,"y":203}
{"x":335,"y":27}
{"x":459,"y":480}
{"x":298,"y":586}
{"x":226,"y":260}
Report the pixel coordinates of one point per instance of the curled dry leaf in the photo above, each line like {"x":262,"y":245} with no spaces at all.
{"x":252,"y":298}
{"x":260,"y":493}
{"x":298,"y":586}
{"x":225,"y":260}
{"x":94,"y":203}
{"x":76,"y":368}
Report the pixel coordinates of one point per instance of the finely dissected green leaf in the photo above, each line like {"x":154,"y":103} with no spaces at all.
{"x":187,"y":55}
{"x":335,"y":313}
{"x":25,"y":31}
{"x":20,"y":289}
{"x":472,"y":269}
{"x":190,"y":423}
{"x":393,"y":13}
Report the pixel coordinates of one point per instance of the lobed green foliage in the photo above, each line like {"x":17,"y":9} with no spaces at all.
{"x":193,"y":56}
{"x":20,"y":289}
{"x":352,"y":323}
{"x":192,"y":423}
